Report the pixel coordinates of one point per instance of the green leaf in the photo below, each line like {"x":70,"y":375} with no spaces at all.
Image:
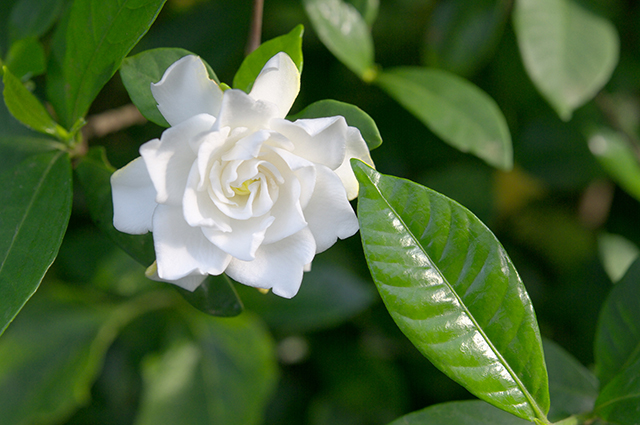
{"x":225,"y":376}
{"x":96,"y":38}
{"x":215,"y":296}
{"x":368,"y":9}
{"x":617,"y":253}
{"x":572,"y":387}
{"x":619,"y":159}
{"x":345,"y":33}
{"x":462,"y":35}
{"x":354,"y":116}
{"x":251,"y":66}
{"x":25,"y":58}
{"x":139,"y":71}
{"x":619,"y":400}
{"x":453,"y":291}
{"x":26,"y":108}
{"x":35,"y":205}
{"x":617,"y":343}
{"x":453,"y":108}
{"x":33,"y":18}
{"x":568,"y":51}
{"x":460,"y":413}
{"x":94,"y":173}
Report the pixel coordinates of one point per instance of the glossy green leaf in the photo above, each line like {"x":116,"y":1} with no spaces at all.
{"x":572,"y":387}
{"x":33,"y":18}
{"x":25,"y":58}
{"x":462,"y":35}
{"x":216,"y":296}
{"x":94,"y":173}
{"x":617,"y":343}
{"x":224,"y":376}
{"x":139,"y":71}
{"x":619,"y":159}
{"x":26,"y":108}
{"x":290,"y":43}
{"x":619,"y":399}
{"x":456,"y":110}
{"x":568,"y":51}
{"x":35,"y":205}
{"x":354,"y":116}
{"x":460,"y":413}
{"x":345,"y":33}
{"x":96,"y":38}
{"x":453,"y":291}
{"x":330,"y":294}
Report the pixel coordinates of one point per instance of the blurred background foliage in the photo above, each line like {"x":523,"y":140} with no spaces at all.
{"x":341,"y":359}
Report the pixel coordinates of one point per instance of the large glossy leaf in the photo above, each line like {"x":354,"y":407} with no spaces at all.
{"x":572,"y":387}
{"x":354,"y":116}
{"x":35,"y":204}
{"x":290,"y":43}
{"x":619,"y":159}
{"x":453,"y":291}
{"x":95,"y":39}
{"x":568,"y":51}
{"x":456,"y":110}
{"x":617,"y":343}
{"x":619,"y":400}
{"x":139,"y":71}
{"x":460,"y":413}
{"x":215,"y":296}
{"x":345,"y":33}
{"x":224,"y":376}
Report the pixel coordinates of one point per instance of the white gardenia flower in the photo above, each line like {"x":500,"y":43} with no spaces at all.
{"x":234,"y":187}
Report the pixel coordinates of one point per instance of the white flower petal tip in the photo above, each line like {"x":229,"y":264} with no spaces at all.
{"x":356,"y":148}
{"x":186,"y":90}
{"x":278,"y":83}
{"x":190,"y":282}
{"x":133,"y":197}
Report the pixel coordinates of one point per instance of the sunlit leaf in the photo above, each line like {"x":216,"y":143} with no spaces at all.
{"x":345,"y":33}
{"x":568,"y":51}
{"x":290,"y":43}
{"x":224,"y":376}
{"x":572,"y":387}
{"x":617,"y":253}
{"x":354,"y":116}
{"x":35,"y":204}
{"x":456,"y":110}
{"x":25,"y":58}
{"x":139,"y":71}
{"x":95,"y":39}
{"x":453,"y":291}
{"x":460,"y":413}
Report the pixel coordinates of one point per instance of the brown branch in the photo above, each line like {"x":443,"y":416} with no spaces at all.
{"x":112,"y":121}
{"x":255,"y":31}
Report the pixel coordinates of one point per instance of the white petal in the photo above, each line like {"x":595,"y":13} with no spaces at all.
{"x":183,"y":250}
{"x":240,"y":110}
{"x":169,"y":158}
{"x":356,"y":148}
{"x":185,"y":90}
{"x":133,"y":198}
{"x":329,"y":213}
{"x":279,"y":265}
{"x":320,"y":140}
{"x":278,"y":82}
{"x":189,"y":282}
{"x":245,"y":238}
{"x":198,"y":208}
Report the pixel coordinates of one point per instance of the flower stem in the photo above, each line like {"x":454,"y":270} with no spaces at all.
{"x":255,"y":32}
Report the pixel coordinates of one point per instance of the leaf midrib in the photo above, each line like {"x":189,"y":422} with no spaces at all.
{"x":536,"y":409}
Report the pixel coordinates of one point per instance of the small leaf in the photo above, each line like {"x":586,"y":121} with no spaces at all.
{"x":618,"y":158}
{"x":617,"y":253}
{"x":453,"y":291}
{"x":33,"y":18}
{"x":572,"y":387}
{"x":568,"y":51}
{"x":619,"y":400}
{"x":460,"y":413}
{"x":456,"y":110}
{"x":35,"y":205}
{"x":290,"y":43}
{"x":25,"y":58}
{"x":96,"y":38}
{"x":26,"y":108}
{"x":225,"y":376}
{"x":368,"y":9}
{"x":139,"y":71}
{"x":617,"y":343}
{"x":345,"y":33}
{"x":215,"y":296}
{"x":354,"y":116}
